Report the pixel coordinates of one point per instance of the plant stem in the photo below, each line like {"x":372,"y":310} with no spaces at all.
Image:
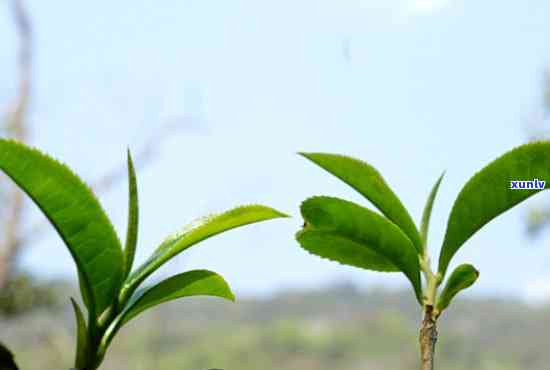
{"x":428,"y":328}
{"x":428,"y":339}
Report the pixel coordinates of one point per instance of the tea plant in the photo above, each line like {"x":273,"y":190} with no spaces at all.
{"x":108,"y":284}
{"x":353,"y":235}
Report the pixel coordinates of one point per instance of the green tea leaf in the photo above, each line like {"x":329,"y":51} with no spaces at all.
{"x":462,"y":277}
{"x":488,"y":194}
{"x":335,"y":247}
{"x":190,"y":283}
{"x":194,"y":233}
{"x":76,"y":215}
{"x":353,"y":235}
{"x":133,"y":218}
{"x":425,"y":224}
{"x":367,"y":181}
{"x":82,"y":340}
{"x":7,"y":361}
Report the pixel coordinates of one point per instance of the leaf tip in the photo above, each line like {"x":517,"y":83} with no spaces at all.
{"x":76,"y":307}
{"x":129,"y":156}
{"x":274,"y":212}
{"x":281,"y":214}
{"x":306,"y":155}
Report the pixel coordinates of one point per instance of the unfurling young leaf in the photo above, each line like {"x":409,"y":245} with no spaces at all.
{"x":462,"y":277}
{"x":353,"y":235}
{"x":425,"y":224}
{"x":488,"y":194}
{"x":82,"y":338}
{"x":367,"y":181}
{"x":133,"y":219}
{"x":76,"y":215}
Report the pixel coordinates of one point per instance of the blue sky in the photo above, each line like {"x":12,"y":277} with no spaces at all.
{"x":413,"y":87}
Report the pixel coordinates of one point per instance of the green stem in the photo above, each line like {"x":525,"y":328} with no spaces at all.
{"x":432,"y":280}
{"x":99,"y":330}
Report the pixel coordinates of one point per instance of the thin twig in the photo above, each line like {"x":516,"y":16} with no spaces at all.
{"x":17,"y":126}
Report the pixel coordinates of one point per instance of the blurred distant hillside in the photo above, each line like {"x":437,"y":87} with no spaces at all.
{"x":337,"y":328}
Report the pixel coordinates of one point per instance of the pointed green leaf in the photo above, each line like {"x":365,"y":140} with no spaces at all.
{"x":425,"y":224}
{"x":488,"y":194}
{"x":76,"y":215}
{"x":190,"y":283}
{"x":353,"y":235}
{"x":82,"y":341}
{"x":200,"y":230}
{"x":7,"y":361}
{"x":133,"y":218}
{"x":333,"y":246}
{"x":462,"y":277}
{"x":367,"y":181}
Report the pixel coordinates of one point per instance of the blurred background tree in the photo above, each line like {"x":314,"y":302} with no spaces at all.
{"x":337,"y":327}
{"x":23,"y":293}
